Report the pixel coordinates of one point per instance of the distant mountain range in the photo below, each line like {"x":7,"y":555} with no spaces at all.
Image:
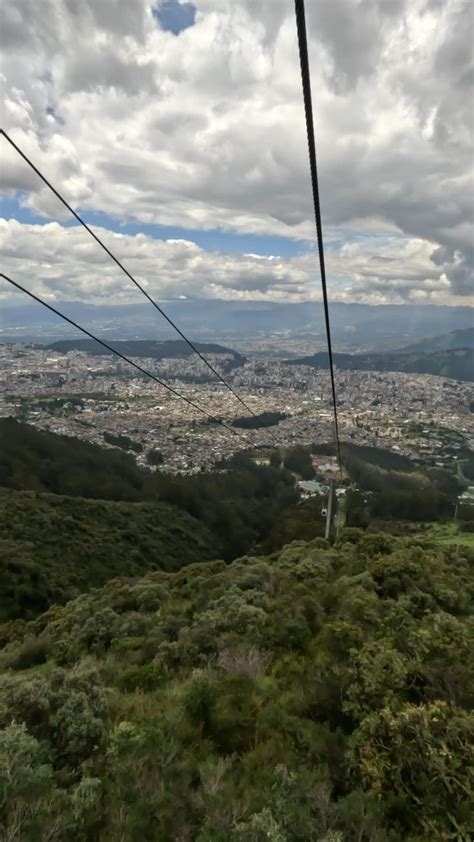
{"x":354,"y":326}
{"x":445,"y":342}
{"x":457,"y":364}
{"x":169,"y":349}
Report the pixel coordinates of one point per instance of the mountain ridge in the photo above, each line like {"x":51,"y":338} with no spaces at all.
{"x":205,"y":319}
{"x":156,"y":349}
{"x":445,"y":342}
{"x":456,"y":364}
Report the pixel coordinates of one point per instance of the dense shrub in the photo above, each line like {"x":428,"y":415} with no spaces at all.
{"x":33,"y":651}
{"x":317,"y":694}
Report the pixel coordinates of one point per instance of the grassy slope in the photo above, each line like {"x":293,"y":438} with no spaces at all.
{"x":441,"y":534}
{"x":53,"y":547}
{"x":444,"y":534}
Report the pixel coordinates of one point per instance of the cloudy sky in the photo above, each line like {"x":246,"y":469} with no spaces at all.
{"x":178,"y":131}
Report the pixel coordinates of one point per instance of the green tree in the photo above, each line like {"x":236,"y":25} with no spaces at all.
{"x":298,"y":460}
{"x":422,"y":756}
{"x":27,"y":785}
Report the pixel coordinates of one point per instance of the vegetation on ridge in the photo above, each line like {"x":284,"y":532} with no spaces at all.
{"x":237,"y":503}
{"x":444,"y":342}
{"x":54,"y":547}
{"x":159,"y":350}
{"x":457,"y":363}
{"x":263,"y":419}
{"x":316,"y":694}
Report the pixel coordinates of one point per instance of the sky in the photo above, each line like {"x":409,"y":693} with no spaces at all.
{"x":177,"y":130}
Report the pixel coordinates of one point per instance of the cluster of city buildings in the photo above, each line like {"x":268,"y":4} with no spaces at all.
{"x":411,"y":414}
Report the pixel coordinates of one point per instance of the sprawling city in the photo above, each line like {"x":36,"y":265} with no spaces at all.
{"x":85,"y":396}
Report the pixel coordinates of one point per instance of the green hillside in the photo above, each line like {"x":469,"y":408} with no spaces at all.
{"x":316,"y":694}
{"x":454,"y":339}
{"x":158,"y":350}
{"x":457,"y":364}
{"x":41,"y":461}
{"x":52,"y":548}
{"x":237,"y":503}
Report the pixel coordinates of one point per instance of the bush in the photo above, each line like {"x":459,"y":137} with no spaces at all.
{"x":26,"y":783}
{"x":79,"y":709}
{"x":148,"y":677}
{"x":422,"y":755}
{"x":154,"y":457}
{"x":33,"y":651}
{"x":25,"y":701}
{"x":315,"y":694}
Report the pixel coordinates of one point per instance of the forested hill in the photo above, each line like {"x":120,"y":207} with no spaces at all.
{"x":316,"y":694}
{"x":169,"y":349}
{"x":53,"y":547}
{"x":457,"y":364}
{"x":445,"y":342}
{"x":238,"y":505}
{"x":37,"y":460}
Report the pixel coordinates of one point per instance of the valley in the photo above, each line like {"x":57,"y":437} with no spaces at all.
{"x":71,"y":391}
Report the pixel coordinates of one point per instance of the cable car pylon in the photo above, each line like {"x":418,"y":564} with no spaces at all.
{"x":329,"y":510}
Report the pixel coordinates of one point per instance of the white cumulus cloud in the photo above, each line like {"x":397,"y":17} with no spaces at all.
{"x":60,"y":262}
{"x":205,"y":130}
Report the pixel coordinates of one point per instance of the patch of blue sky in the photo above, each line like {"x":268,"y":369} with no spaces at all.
{"x":11,"y":207}
{"x":173,"y":16}
{"x":214,"y":239}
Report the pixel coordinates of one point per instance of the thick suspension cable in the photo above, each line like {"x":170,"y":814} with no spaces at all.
{"x":128,"y":274}
{"x":123,"y":357}
{"x":308,"y":107}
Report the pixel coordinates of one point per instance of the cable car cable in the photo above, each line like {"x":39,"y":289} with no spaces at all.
{"x":129,"y":275}
{"x":308,"y":107}
{"x":122,"y":356}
